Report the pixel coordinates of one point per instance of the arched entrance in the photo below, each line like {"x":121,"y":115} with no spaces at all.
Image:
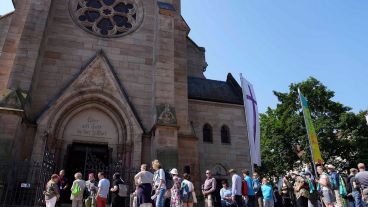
{"x":90,"y":123}
{"x":91,"y":137}
{"x":96,"y":120}
{"x":93,"y":109}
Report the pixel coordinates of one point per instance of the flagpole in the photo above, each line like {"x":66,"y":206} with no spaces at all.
{"x":310,"y":144}
{"x":246,"y":124}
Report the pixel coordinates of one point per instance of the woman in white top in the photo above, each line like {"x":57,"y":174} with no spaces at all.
{"x":143,"y":181}
{"x":159,"y":183}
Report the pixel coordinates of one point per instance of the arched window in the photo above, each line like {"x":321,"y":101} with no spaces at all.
{"x":207,"y":133}
{"x":225,"y":135}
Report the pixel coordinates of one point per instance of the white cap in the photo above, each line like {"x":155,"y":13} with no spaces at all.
{"x":174,"y":171}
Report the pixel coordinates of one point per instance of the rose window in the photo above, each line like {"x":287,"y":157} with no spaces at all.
{"x":107,"y":18}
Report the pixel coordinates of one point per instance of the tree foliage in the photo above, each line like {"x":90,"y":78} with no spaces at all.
{"x":342,"y":134}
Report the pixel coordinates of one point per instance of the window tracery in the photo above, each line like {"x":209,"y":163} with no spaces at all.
{"x":107,"y":18}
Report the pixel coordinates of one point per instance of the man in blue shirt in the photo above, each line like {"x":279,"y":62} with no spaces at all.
{"x":236,"y":190}
{"x":251,"y":193}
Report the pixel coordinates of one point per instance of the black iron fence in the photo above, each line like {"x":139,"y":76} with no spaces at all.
{"x":22,"y":183}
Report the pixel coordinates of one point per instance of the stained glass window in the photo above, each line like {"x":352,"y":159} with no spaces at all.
{"x":107,"y":18}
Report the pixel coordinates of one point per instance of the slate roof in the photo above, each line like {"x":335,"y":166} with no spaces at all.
{"x":227,"y":91}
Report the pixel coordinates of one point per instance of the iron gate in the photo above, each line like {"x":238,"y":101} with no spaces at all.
{"x":94,"y":165}
{"x":22,"y":182}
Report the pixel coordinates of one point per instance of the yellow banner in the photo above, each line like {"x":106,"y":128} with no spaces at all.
{"x":313,"y":141}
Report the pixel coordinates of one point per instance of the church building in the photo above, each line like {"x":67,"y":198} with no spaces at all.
{"x":107,"y":81}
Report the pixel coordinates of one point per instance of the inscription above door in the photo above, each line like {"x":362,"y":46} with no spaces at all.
{"x":91,"y":125}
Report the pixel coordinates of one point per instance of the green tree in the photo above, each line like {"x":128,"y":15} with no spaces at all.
{"x":340,"y":132}
{"x":353,"y":128}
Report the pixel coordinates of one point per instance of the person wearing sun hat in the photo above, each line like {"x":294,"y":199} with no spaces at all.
{"x":174,"y":172}
{"x":175,"y":200}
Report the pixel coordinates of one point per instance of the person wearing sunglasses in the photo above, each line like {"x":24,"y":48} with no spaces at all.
{"x":208,"y":188}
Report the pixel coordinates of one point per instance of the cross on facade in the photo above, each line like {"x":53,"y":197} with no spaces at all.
{"x":254,"y":104}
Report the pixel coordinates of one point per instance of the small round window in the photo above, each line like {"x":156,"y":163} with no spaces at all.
{"x":107,"y":18}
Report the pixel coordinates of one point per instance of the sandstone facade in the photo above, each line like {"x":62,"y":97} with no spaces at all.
{"x":143,"y":94}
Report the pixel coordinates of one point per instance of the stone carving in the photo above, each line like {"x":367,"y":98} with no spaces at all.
{"x":93,"y":77}
{"x":14,"y":99}
{"x":219,"y":170}
{"x":91,"y":124}
{"x":97,"y":74}
{"x":166,"y":115}
{"x":91,"y":128}
{"x":107,"y":18}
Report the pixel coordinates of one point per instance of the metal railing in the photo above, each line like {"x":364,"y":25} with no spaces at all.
{"x":22,"y":183}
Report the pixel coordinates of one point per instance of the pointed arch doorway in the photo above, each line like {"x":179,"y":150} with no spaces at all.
{"x":93,"y":109}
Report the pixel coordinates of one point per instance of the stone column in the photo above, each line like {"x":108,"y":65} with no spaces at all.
{"x":11,"y":42}
{"x":22,"y":44}
{"x":164,"y":141}
{"x":136,"y":150}
{"x":165,"y":144}
{"x":29,"y":46}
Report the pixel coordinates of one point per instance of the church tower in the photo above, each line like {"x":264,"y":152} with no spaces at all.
{"x":76,"y":61}
{"x":98,"y":82}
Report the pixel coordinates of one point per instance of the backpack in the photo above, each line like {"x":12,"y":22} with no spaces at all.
{"x":123,"y":190}
{"x":342,"y":188}
{"x":76,"y":190}
{"x":184,"y":191}
{"x":168,"y":180}
{"x":244,"y":188}
{"x":334,"y":180}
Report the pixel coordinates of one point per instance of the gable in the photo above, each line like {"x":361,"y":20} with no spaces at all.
{"x":97,"y":76}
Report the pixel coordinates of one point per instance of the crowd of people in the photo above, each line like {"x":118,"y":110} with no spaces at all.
{"x":90,"y":193}
{"x":159,"y":188}
{"x":328,"y":188}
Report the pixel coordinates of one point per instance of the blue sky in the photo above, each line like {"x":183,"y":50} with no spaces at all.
{"x":275,"y":43}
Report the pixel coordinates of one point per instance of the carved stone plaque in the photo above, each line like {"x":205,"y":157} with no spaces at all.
{"x":166,"y":115}
{"x":91,"y":125}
